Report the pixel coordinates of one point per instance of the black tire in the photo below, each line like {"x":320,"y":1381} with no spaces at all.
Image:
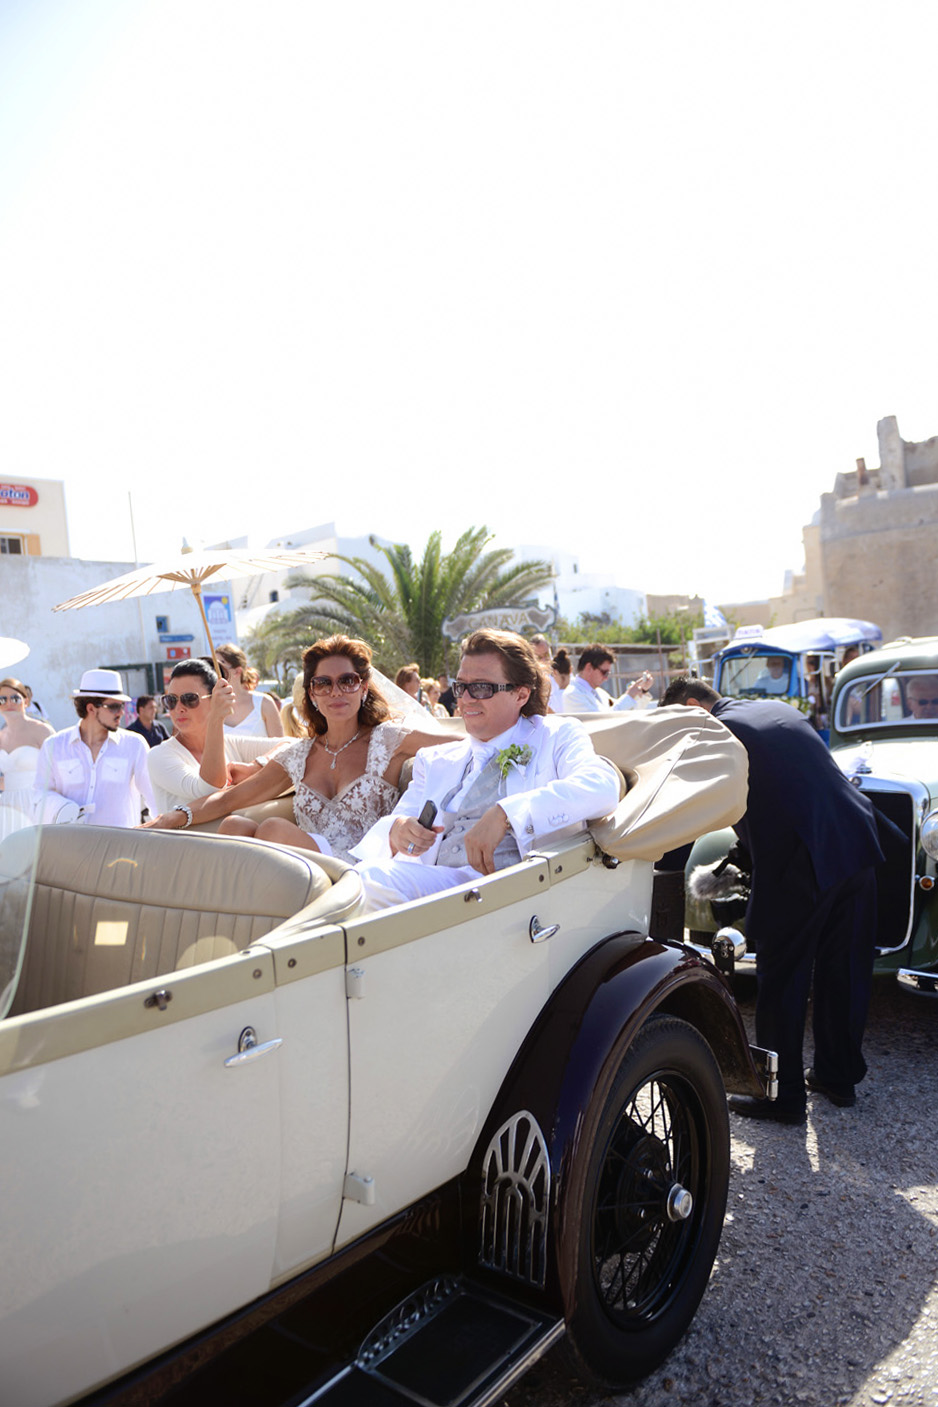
{"x":641,"y":1270}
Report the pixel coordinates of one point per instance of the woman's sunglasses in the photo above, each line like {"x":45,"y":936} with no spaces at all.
{"x":187,"y":700}
{"x":346,"y":684}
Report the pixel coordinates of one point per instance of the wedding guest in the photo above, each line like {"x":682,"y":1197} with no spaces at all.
{"x":431,"y":694}
{"x":200,"y":756}
{"x":408,"y":679}
{"x":97,"y":764}
{"x":254,"y":715}
{"x":585,"y":693}
{"x":152,"y":732}
{"x":20,"y":741}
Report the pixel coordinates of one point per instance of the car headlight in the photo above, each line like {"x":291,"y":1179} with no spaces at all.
{"x":930,"y":834}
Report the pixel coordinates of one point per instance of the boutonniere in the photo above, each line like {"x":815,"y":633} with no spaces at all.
{"x":513,"y":756}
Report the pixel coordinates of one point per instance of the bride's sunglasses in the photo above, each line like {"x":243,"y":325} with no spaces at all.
{"x":346,"y":684}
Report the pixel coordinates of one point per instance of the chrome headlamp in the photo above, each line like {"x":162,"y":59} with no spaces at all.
{"x":929,"y":835}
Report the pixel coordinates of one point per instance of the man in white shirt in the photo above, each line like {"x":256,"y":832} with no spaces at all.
{"x":585,"y":692}
{"x":521,"y":778}
{"x":96,"y":764}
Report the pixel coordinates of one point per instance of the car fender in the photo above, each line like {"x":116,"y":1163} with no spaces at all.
{"x":573,"y":1052}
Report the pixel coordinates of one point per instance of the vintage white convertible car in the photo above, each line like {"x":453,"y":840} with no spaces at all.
{"x":260,"y":1147}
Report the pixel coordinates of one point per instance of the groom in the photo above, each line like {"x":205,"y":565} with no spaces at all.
{"x":521,"y":778}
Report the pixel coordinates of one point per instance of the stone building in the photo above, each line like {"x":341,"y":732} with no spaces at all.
{"x":869,"y":550}
{"x":878,"y":536}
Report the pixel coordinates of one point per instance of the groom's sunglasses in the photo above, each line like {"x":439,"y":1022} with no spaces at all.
{"x":479,"y":688}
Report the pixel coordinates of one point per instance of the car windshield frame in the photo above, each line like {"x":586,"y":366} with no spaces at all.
{"x":877,"y":703}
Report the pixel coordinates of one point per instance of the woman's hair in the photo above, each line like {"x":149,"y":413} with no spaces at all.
{"x":407,"y":674}
{"x":199,"y":668}
{"x":522,"y":666}
{"x":293,"y":725}
{"x":250,"y":678}
{"x":12,"y":683}
{"x":428,"y":684}
{"x":232,"y":656}
{"x":373,"y":708}
{"x":562,"y":664}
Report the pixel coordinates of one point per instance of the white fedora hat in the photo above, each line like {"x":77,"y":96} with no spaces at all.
{"x":101,"y":684}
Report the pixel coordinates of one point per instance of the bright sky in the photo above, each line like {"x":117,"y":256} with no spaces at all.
{"x":636,"y":280}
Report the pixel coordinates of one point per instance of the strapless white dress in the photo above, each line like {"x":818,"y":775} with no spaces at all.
{"x":18,"y":770}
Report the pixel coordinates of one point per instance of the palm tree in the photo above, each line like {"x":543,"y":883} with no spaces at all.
{"x":401,"y":612}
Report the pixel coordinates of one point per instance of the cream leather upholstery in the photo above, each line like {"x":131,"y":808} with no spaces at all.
{"x":114,"y":906}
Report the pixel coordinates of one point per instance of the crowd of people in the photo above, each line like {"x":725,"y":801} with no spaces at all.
{"x":520,"y":773}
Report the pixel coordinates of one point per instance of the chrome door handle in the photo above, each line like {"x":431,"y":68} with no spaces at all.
{"x":248,"y":1049}
{"x":537,"y":933}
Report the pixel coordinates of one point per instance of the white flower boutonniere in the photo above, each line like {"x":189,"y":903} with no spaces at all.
{"x":513,"y":756}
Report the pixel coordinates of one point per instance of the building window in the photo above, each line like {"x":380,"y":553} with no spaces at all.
{"x":11,"y":545}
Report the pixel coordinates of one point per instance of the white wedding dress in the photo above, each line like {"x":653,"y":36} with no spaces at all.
{"x":18,"y":770}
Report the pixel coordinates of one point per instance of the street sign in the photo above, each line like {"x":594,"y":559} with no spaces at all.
{"x":176,"y":639}
{"x":178,"y":652}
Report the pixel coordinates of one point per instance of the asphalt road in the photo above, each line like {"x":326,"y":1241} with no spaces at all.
{"x":825,"y":1289}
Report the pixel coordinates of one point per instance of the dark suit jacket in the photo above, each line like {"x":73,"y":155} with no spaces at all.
{"x":798,"y":793}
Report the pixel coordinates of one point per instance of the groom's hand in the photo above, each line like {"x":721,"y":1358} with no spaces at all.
{"x":484,"y":836}
{"x":408,"y":837}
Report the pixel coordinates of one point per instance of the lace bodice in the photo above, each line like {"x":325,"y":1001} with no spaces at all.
{"x":345,"y":818}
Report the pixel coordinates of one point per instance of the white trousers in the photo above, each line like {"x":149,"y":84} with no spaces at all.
{"x":390,"y":882}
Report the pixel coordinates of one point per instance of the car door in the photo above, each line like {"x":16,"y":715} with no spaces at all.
{"x":442,"y":994}
{"x":142,"y":1172}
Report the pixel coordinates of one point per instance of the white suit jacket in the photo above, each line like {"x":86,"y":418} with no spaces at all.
{"x":564,"y":785}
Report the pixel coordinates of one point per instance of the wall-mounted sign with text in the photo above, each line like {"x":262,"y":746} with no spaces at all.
{"x":18,"y":496}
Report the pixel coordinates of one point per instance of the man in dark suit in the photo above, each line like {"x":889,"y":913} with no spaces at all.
{"x":813,"y":842}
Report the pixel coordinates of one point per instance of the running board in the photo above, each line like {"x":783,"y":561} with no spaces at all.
{"x":451,"y":1344}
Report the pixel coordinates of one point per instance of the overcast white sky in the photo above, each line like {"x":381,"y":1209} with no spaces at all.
{"x":635,"y":280}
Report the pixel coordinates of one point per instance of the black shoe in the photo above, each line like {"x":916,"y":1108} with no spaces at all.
{"x":767,"y":1109}
{"x":844,"y":1099}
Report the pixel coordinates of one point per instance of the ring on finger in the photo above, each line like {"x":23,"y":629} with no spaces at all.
{"x":410,"y":848}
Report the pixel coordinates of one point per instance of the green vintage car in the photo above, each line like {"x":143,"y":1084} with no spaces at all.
{"x":884,"y":736}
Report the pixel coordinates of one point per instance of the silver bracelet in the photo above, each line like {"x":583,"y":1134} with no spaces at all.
{"x":188,"y":811}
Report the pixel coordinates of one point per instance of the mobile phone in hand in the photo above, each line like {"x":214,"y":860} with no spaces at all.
{"x":427,"y":815}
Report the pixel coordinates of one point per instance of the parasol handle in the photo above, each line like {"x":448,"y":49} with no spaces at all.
{"x":197,"y":593}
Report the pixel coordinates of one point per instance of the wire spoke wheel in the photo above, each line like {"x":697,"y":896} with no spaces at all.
{"x":643,"y":1227}
{"x":649,"y":1190}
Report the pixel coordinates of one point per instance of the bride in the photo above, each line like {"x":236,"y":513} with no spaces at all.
{"x":345,"y":773}
{"x":20,"y":742}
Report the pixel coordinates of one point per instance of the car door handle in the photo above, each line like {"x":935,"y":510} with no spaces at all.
{"x":537,"y":932}
{"x":248,"y":1048}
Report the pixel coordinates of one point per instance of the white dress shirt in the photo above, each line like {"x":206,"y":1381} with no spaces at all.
{"x":580,"y":697}
{"x":111,"y":788}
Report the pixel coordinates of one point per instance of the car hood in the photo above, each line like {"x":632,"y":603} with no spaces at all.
{"x":915,"y":758}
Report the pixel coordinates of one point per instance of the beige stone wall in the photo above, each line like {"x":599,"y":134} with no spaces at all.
{"x":879,"y":558}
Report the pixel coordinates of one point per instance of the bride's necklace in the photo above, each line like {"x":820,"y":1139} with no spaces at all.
{"x":334,"y":751}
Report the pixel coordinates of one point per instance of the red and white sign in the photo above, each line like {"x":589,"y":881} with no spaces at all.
{"x":18,"y":496}
{"x":178,"y":652}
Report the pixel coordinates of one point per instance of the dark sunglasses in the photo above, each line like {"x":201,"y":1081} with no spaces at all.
{"x":11,"y":698}
{"x":346,"y":684}
{"x":922,"y":703}
{"x":187,"y":700}
{"x":112,"y":707}
{"x":479,"y":688}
